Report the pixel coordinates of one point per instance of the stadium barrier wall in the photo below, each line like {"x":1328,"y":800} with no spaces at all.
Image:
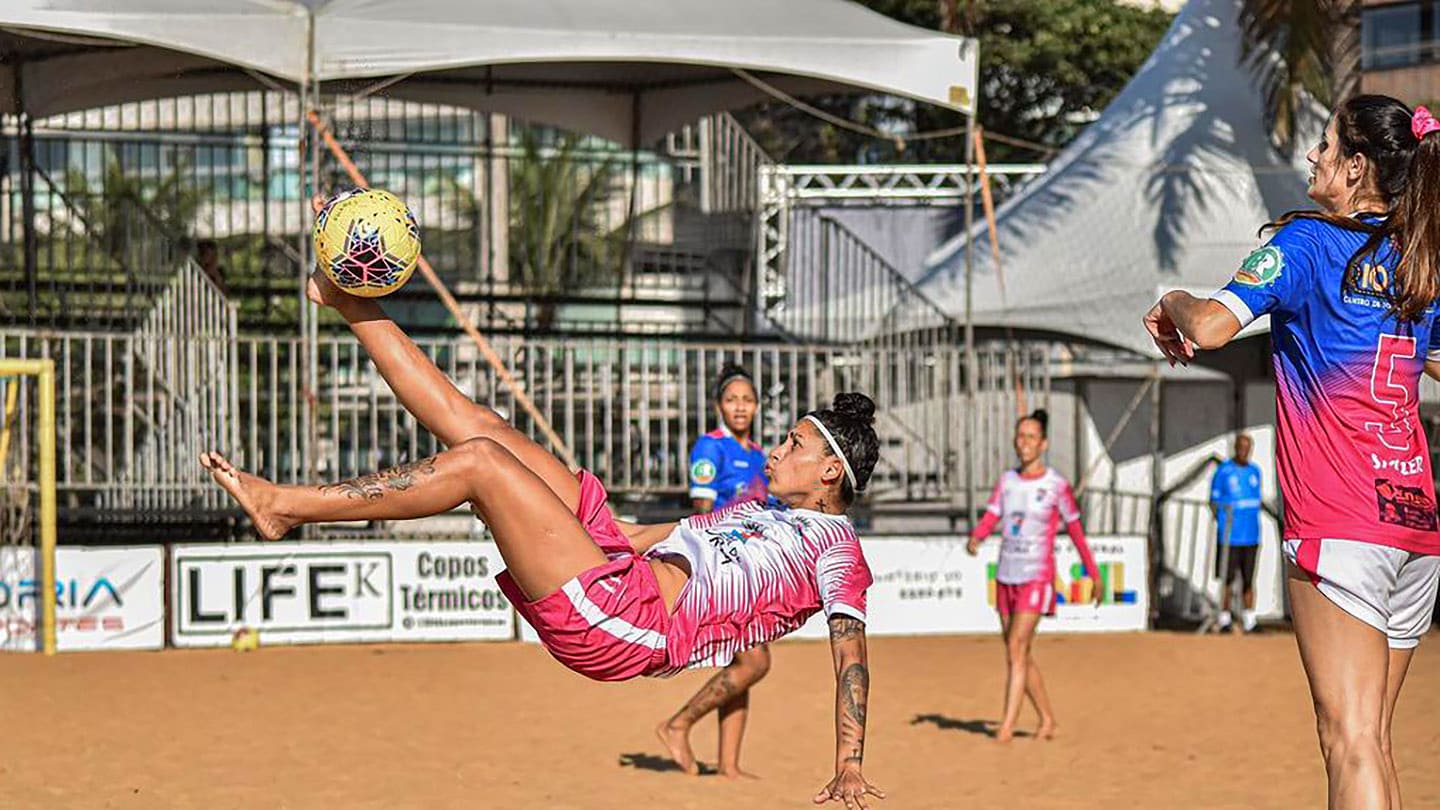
{"x":931,"y":585}
{"x":316,"y":593}
{"x":109,"y":598}
{"x":114,"y":598}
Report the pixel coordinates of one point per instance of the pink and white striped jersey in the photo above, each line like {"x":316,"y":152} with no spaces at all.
{"x":757,"y":574}
{"x":1030,"y":511}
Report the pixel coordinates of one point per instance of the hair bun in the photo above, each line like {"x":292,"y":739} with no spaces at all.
{"x":856,"y":406}
{"x":1043,"y":417}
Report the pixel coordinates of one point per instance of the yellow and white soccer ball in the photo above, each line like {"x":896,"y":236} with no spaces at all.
{"x":367,"y":241}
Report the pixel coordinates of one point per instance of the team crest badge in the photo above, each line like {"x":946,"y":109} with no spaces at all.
{"x":702,"y":471}
{"x":1261,"y":267}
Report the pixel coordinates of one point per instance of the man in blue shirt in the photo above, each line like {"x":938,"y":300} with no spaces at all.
{"x":1235,"y":500}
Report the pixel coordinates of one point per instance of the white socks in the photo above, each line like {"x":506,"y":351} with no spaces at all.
{"x":1225,"y":620}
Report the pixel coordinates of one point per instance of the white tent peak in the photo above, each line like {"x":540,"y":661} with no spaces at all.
{"x":1166,"y":189}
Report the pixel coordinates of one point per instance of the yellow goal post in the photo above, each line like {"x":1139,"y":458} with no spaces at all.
{"x":43,"y":371}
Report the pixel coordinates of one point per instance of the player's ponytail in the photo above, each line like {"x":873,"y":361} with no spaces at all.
{"x":1416,"y":222}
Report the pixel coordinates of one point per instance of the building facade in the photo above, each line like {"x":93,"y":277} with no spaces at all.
{"x":1400,"y":49}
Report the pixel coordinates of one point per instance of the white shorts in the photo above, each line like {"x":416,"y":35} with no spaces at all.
{"x":1390,"y":589}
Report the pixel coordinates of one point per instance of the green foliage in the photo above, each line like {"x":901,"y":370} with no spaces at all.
{"x":559,"y":239}
{"x":1300,"y":49}
{"x":1042,"y":64}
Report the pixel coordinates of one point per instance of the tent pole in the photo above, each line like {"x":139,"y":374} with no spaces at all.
{"x":1157,"y":483}
{"x":970,"y":360}
{"x":624,"y":277}
{"x":312,"y":337}
{"x":308,"y":312}
{"x":27,"y":193}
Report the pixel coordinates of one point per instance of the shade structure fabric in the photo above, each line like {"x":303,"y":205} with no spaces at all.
{"x":1167,"y":189}
{"x":627,"y":70}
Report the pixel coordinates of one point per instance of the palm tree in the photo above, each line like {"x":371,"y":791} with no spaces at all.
{"x":1300,"y":50}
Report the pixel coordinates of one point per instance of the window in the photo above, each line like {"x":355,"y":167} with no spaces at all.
{"x":1394,"y":35}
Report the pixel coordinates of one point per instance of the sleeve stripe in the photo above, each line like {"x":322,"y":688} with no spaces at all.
{"x":844,"y":610}
{"x":1237,"y":307}
{"x":702,"y":492}
{"x":1433,"y":355}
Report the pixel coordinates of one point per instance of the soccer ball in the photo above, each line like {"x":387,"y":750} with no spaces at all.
{"x":367,"y":242}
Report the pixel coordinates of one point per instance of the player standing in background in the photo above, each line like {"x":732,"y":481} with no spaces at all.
{"x":1235,"y":500}
{"x":1030,"y":501}
{"x":1351,"y":293}
{"x":726,"y":467}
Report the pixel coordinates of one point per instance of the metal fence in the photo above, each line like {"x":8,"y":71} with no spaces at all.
{"x":840,"y":290}
{"x":138,"y":406}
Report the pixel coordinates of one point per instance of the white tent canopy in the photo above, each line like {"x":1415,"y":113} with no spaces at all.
{"x":625,"y":70}
{"x":1167,"y":189}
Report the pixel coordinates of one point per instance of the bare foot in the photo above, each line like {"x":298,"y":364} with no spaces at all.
{"x":677,"y":742}
{"x":253,"y":493}
{"x":737,"y":773}
{"x":1048,"y":730}
{"x":1005,"y":734}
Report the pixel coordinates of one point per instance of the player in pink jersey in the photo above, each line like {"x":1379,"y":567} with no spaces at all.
{"x":1029,"y":503}
{"x":1351,"y":292}
{"x":614,"y":600}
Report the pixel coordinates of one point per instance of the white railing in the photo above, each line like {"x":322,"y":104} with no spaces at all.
{"x":629,"y":408}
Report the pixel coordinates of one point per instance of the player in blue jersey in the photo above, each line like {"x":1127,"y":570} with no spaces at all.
{"x":726,"y":467}
{"x":1351,"y":292}
{"x":1235,"y":500}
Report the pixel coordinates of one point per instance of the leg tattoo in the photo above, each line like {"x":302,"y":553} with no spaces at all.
{"x":372,"y":487}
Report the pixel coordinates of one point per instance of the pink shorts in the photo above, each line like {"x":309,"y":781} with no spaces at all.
{"x":609,"y":623}
{"x":1032,"y":597}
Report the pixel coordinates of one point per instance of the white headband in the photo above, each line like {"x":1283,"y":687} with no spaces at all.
{"x":835,"y":447}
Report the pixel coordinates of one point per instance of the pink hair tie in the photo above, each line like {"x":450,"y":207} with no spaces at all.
{"x":1423,"y":123}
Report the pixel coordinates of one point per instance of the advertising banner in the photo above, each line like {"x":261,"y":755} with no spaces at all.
{"x":310,"y":593}
{"x":933,"y":585}
{"x":929,"y":585}
{"x":108,"y":598}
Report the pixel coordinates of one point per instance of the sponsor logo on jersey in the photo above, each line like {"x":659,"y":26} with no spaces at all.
{"x":1261,"y":267}
{"x":1370,"y":282}
{"x":1410,"y":507}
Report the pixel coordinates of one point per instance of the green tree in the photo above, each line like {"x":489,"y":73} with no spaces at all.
{"x":558,"y":240}
{"x":561,"y":239}
{"x":1045,"y":65}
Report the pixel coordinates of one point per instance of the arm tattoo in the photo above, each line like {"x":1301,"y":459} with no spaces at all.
{"x":844,"y":628}
{"x":854,"y":694}
{"x":373,"y":487}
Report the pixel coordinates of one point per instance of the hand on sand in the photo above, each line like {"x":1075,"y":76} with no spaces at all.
{"x":848,"y":787}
